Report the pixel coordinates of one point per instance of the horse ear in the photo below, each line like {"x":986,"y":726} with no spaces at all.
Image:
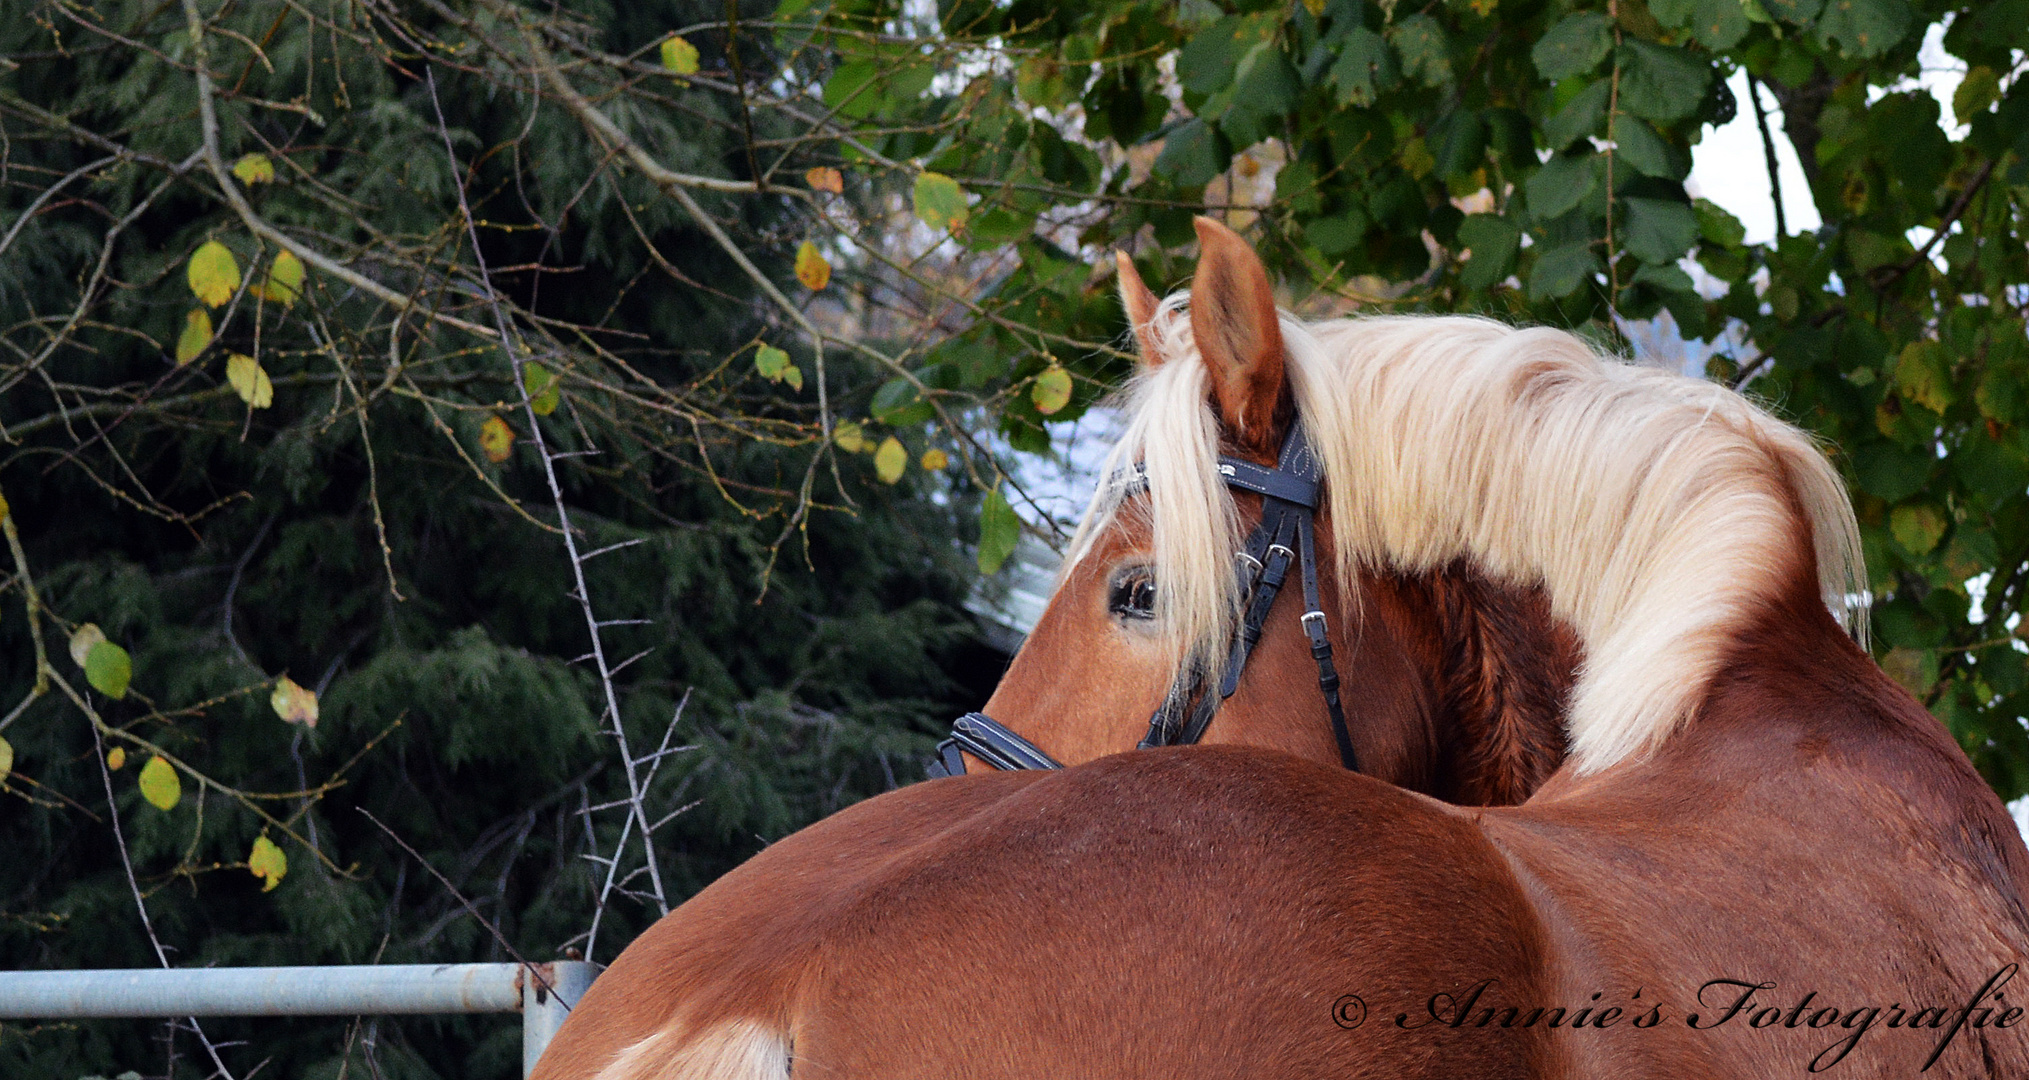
{"x":1140,"y":305}
{"x":1239,"y":335}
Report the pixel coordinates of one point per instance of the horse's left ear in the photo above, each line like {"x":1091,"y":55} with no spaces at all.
{"x":1140,"y":304}
{"x":1239,"y":335}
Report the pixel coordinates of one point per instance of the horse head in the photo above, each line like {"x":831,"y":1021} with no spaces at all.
{"x":1491,"y":506}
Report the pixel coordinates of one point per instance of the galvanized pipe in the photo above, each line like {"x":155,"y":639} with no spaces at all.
{"x":375,"y":989}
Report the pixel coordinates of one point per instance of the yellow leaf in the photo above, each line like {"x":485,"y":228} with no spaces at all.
{"x":116,"y":758}
{"x":825,"y":178}
{"x":294,"y":703}
{"x":1918,"y":527}
{"x":267,"y":862}
{"x":196,"y":335}
{"x":496,"y":439}
{"x":1052,"y":390}
{"x":285,"y":280}
{"x":849,"y":437}
{"x":4,"y":508}
{"x":214,"y":274}
{"x":679,"y":57}
{"x":160,"y":785}
{"x":940,"y":202}
{"x":935,"y":460}
{"x":890,"y":460}
{"x":794,"y":377}
{"x":254,"y":169}
{"x":811,"y":269}
{"x":542,"y":387}
{"x":81,"y":642}
{"x":6,"y":759}
{"x":249,"y":380}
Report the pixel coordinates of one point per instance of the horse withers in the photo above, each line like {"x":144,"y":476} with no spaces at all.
{"x":1747,"y":852}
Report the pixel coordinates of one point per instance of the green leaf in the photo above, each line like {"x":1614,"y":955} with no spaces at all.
{"x":267,"y":862}
{"x":999,"y":529}
{"x":1339,"y":233}
{"x":6,"y":760}
{"x":1191,"y":156}
{"x":891,"y":460}
{"x":1923,"y":375}
{"x":1716,"y":224}
{"x":1717,"y":24}
{"x":1666,"y":278}
{"x":1426,"y":53}
{"x":1493,"y":241}
{"x":792,"y":377}
{"x":897,"y":402}
{"x":1637,"y":144}
{"x":545,"y":390}
{"x":1561,"y":184}
{"x":1581,"y":116}
{"x":160,"y":785}
{"x":679,"y":57}
{"x":1890,"y":471}
{"x":108,"y":668}
{"x":1864,"y":28}
{"x":1661,"y":83}
{"x":1796,"y":12}
{"x":214,"y":274}
{"x":849,"y":91}
{"x":1574,"y":46}
{"x":1918,"y":527}
{"x":771,"y":362}
{"x":1561,"y":270}
{"x":196,"y":335}
{"x":1052,"y":390}
{"x":849,"y":436}
{"x":1977,"y":93}
{"x":1366,"y":66}
{"x":940,"y":202}
{"x":1659,"y":230}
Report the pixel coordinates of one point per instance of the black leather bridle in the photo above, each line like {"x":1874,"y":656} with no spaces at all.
{"x":1289,"y":501}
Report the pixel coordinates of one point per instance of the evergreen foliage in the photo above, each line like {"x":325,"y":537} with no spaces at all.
{"x":357,"y":535}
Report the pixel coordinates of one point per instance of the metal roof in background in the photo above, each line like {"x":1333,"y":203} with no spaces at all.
{"x":1009,"y":603}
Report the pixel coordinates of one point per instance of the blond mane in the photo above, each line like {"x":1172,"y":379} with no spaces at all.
{"x":1657,"y":512}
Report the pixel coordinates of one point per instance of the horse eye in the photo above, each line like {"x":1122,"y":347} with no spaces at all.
{"x":1133,"y":595}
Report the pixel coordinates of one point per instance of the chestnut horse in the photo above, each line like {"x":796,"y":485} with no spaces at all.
{"x":1746,"y":853}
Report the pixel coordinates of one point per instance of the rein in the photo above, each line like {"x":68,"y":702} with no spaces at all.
{"x":1286,"y":534}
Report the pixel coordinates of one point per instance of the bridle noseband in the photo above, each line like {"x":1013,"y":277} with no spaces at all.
{"x":1289,"y":502}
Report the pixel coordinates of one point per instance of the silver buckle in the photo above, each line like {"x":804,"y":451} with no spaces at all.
{"x":1286,"y":553}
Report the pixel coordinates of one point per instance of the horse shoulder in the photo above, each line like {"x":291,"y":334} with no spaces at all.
{"x":704,"y":992}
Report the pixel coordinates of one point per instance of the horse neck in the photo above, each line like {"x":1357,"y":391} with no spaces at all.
{"x":1498,"y":669}
{"x":1801,"y":727}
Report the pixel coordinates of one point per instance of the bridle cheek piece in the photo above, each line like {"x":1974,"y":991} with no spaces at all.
{"x":1289,"y":501}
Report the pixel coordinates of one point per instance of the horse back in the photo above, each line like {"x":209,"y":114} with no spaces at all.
{"x":1205,"y":912}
